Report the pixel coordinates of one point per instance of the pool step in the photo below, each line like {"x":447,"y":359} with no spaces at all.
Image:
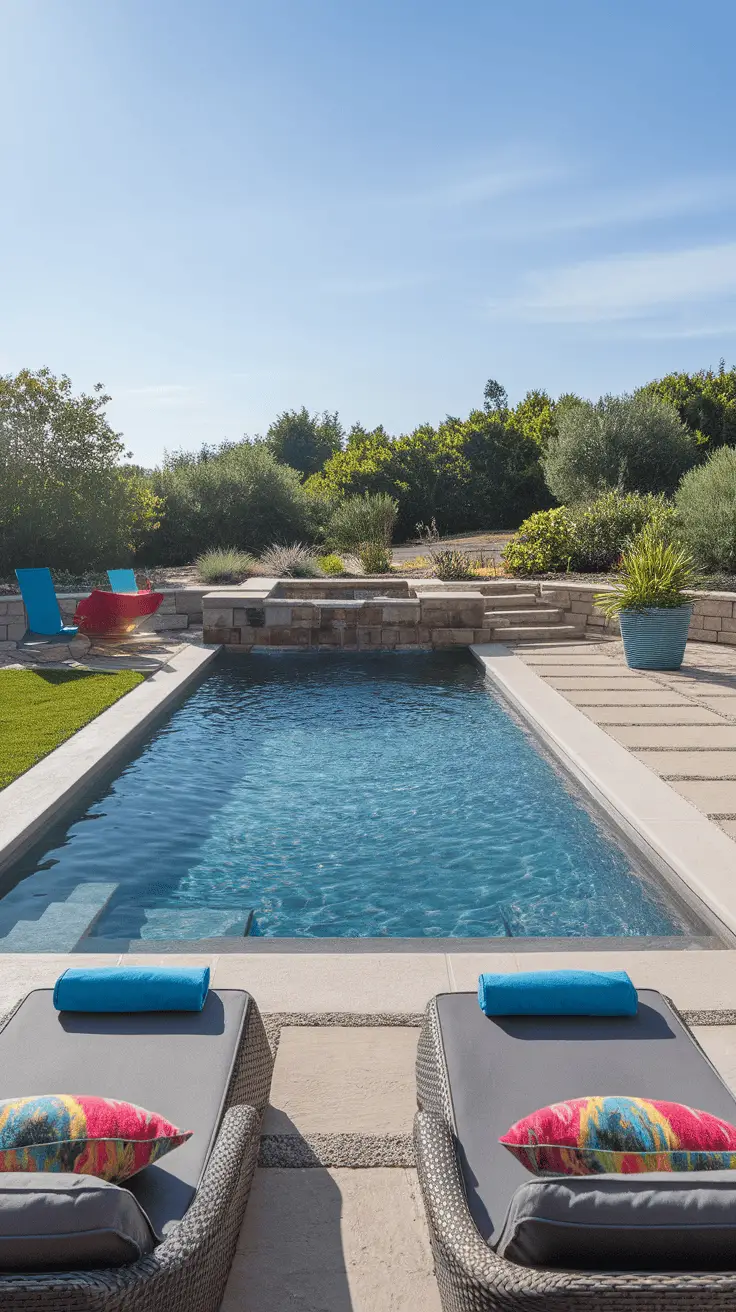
{"x":535,"y":633}
{"x":534,"y":615}
{"x":61,"y":925}
{"x":195,"y":923}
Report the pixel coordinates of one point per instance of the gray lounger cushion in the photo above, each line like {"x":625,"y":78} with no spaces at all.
{"x":502,"y":1069}
{"x":175,"y":1063}
{"x":650,"y":1222}
{"x":63,"y":1222}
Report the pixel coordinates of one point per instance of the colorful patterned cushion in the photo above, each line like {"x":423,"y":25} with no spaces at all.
{"x":88,"y":1136}
{"x":614,"y":1135}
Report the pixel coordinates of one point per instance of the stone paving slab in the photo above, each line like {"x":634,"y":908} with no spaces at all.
{"x":323,"y":982}
{"x":714,"y":796}
{"x":719,"y":1042}
{"x":681,"y":737}
{"x":333,"y":1241}
{"x":629,"y":697}
{"x":699,"y":764}
{"x":342,"y":1080}
{"x":722,"y":706}
{"x":729,"y":827}
{"x":613,"y":683}
{"x":652,"y":715}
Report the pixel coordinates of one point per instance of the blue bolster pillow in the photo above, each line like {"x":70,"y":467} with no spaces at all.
{"x":132,"y":988}
{"x":558,"y":993}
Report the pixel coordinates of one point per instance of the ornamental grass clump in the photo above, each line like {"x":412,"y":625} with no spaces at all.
{"x":653,"y":574}
{"x":225,"y":565}
{"x":295,"y":562}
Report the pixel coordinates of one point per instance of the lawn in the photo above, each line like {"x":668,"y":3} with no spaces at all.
{"x":41,"y":708}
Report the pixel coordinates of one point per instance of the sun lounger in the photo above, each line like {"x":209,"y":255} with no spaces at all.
{"x":476,"y":1076}
{"x":208,"y":1072}
{"x":42,"y":608}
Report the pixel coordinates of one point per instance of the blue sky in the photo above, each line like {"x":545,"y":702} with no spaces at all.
{"x":222,"y":209}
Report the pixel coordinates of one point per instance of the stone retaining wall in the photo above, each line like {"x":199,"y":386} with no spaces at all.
{"x":714,"y":613}
{"x":350,"y":614}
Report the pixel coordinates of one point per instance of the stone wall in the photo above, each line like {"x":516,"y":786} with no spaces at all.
{"x":714,"y":613}
{"x":350,"y":614}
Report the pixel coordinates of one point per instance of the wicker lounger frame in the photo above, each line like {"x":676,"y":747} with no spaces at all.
{"x":472,"y":1278}
{"x":189,"y":1270}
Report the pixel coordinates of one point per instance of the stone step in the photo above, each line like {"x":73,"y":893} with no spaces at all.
{"x":535,"y":633}
{"x":195,"y":922}
{"x":512,"y":600}
{"x":62,"y":924}
{"x":535,"y":615}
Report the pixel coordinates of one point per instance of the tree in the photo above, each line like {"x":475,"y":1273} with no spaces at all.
{"x":66,"y":499}
{"x":705,"y":401}
{"x":496,"y":397}
{"x":474,"y":473}
{"x":234,"y":495}
{"x":706,"y":507}
{"x":633,"y":443}
{"x":305,"y":441}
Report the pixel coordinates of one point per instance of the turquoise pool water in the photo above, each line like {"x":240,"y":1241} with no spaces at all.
{"x":340,"y":795}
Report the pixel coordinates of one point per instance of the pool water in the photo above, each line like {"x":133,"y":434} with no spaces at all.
{"x":363,"y":795}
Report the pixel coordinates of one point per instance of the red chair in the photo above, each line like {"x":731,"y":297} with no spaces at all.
{"x":112,"y":614}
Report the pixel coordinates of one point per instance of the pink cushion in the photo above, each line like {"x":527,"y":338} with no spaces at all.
{"x":617,"y":1135}
{"x":89,"y":1136}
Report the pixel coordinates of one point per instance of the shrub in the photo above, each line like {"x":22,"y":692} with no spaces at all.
{"x":588,"y":538}
{"x":375,"y":557}
{"x":331,"y":564}
{"x":543,"y":544}
{"x":358,"y":520}
{"x":653,"y":573}
{"x":297,"y":562}
{"x":451,"y":564}
{"x":706,"y":505}
{"x":631,"y":443}
{"x":232,"y":495}
{"x":65,"y":498}
{"x":225,"y":565}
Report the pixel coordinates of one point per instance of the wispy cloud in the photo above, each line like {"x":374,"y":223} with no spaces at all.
{"x":605,"y":209}
{"x":621,"y":287}
{"x":374,"y":285}
{"x":456,"y":190}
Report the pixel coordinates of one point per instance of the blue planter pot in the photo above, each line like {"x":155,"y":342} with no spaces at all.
{"x":654,"y":639}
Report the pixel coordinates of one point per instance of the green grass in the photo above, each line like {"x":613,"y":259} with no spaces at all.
{"x":41,"y":708}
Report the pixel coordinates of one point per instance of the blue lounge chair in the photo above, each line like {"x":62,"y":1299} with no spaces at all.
{"x":122,"y":580}
{"x":42,"y":608}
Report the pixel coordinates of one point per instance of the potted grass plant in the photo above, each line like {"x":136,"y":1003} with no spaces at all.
{"x":650,"y":601}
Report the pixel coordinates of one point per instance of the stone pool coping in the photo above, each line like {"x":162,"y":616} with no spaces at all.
{"x":693,"y":856}
{"x":41,"y":797}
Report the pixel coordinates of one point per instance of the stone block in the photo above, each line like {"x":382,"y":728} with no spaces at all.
{"x":698,"y":622}
{"x":708,"y":635}
{"x":371,"y":615}
{"x":3,"y":632}
{"x":216,"y":617}
{"x":581,"y":607}
{"x":159,"y":623}
{"x":401,"y":612}
{"x":369,"y":637}
{"x":168,"y":606}
{"x":728,"y":625}
{"x":326,"y":637}
{"x":452,"y":637}
{"x":389,"y":635}
{"x":15,"y":631}
{"x":302,"y":611}
{"x":709,"y":606}
{"x":3,"y":608}
{"x":220,"y":634}
{"x":277,"y":616}
{"x":481,"y":635}
{"x":189,"y":601}
{"x":728,"y":637}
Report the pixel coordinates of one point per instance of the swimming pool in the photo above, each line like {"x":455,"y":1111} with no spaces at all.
{"x":329,"y":796}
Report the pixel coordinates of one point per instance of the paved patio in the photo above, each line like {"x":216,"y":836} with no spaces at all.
{"x":352,"y":1238}
{"x":682,"y":724}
